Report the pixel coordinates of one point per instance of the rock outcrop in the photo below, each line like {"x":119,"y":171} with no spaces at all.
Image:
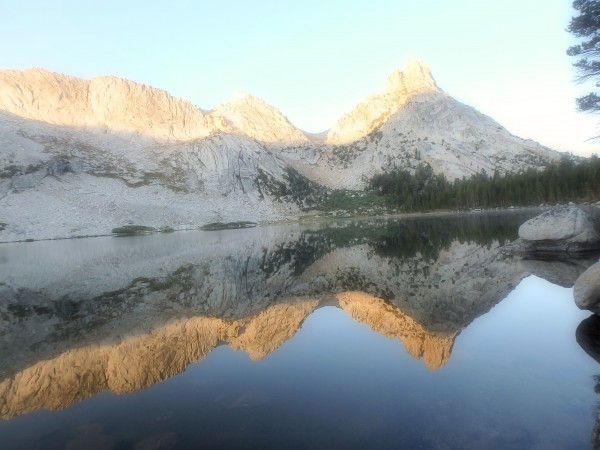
{"x":112,"y":103}
{"x":586,"y":290}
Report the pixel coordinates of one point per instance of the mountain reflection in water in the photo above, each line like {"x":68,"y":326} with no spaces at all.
{"x":80,"y":317}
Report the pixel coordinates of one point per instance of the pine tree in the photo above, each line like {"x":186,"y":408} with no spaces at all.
{"x":587,"y":26}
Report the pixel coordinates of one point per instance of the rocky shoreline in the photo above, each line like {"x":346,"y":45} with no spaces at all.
{"x":101,"y":228}
{"x":571,"y":231}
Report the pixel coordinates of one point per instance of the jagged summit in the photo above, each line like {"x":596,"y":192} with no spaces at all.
{"x":374,"y":111}
{"x":414,"y":78}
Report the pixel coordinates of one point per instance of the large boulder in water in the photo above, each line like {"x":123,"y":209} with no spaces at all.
{"x":565,"y":229}
{"x":575,"y":223}
{"x":586,"y":290}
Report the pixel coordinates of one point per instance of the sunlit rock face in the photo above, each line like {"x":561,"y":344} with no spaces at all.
{"x":434,"y":348}
{"x":255,"y":118}
{"x":135,"y":362}
{"x":377,"y":109}
{"x":104,"y":102}
{"x":127,"y":151}
{"x":112,"y":103}
{"x":138,"y":361}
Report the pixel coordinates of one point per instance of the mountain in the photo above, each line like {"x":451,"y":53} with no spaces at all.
{"x":81,"y":157}
{"x":102,"y":102}
{"x":253,"y":117}
{"x":411,"y":122}
{"x":376,"y":110}
{"x":115,"y":104}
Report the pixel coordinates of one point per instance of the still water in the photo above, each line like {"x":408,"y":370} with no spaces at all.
{"x":404,"y":333}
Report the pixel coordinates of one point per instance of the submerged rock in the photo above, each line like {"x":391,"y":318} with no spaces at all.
{"x":586,"y":290}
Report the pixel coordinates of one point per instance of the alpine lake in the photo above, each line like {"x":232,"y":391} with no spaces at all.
{"x":414,"y":332}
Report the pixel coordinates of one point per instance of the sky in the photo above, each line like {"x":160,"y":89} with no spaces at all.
{"x":315,"y":59}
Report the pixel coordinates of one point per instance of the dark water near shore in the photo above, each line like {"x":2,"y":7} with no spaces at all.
{"x":409,"y":333}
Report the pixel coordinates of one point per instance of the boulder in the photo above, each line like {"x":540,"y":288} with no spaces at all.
{"x":588,"y":336}
{"x":59,"y":167}
{"x":576,"y":223}
{"x":586,"y":290}
{"x":565,"y":229}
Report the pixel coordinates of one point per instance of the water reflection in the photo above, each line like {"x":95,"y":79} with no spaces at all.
{"x":588,"y":337}
{"x":80,"y":317}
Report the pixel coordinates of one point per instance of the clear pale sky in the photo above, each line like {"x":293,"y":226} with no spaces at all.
{"x":315,"y":59}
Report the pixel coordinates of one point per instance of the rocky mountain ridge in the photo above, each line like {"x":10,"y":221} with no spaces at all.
{"x":85,"y":156}
{"x":102,"y":102}
{"x":114,"y":104}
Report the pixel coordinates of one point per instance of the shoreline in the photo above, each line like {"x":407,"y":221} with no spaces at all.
{"x":308,"y":219}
